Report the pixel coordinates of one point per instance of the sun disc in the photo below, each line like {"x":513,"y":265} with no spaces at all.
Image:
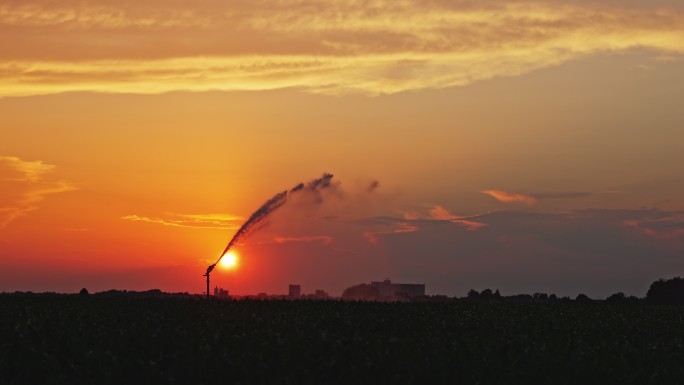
{"x":229,"y":260}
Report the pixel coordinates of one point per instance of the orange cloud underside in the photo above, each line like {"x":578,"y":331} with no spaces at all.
{"x":338,"y":47}
{"x":506,"y":197}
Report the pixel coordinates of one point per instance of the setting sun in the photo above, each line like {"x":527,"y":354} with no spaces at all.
{"x":229,"y":260}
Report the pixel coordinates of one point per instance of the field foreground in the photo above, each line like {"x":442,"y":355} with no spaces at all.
{"x":89,"y":340}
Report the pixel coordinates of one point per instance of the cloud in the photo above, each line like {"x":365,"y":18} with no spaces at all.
{"x":506,"y":197}
{"x":210,"y":218}
{"x":333,"y":47}
{"x":311,"y":238}
{"x":441,"y":214}
{"x":556,"y":228}
{"x":531,"y":199}
{"x":664,"y":227}
{"x":198,"y":221}
{"x":26,"y":184}
{"x":598,"y":250}
{"x":27,"y":171}
{"x":401,"y":227}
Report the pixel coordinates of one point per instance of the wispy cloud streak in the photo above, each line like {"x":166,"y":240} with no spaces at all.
{"x":401,"y":228}
{"x":507,"y":197}
{"x":325,"y":239}
{"x":439,"y":213}
{"x":29,"y":182}
{"x":198,"y":221}
{"x":531,"y":199}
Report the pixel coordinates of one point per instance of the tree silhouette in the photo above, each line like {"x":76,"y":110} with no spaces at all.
{"x":582,"y":298}
{"x":362,"y":291}
{"x":666,"y":291}
{"x":617,"y":297}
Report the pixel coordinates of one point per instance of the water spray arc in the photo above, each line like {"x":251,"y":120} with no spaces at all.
{"x":266,"y":210}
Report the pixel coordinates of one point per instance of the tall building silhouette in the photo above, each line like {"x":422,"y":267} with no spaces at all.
{"x":295,"y":291}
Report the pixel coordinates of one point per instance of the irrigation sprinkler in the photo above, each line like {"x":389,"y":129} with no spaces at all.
{"x":209,"y":269}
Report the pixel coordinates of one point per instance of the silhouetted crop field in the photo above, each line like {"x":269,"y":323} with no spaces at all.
{"x":95,"y":340}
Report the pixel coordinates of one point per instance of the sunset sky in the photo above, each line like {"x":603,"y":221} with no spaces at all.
{"x":529,"y":146}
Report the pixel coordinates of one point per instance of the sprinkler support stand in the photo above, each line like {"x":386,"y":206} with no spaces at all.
{"x":209,"y":269}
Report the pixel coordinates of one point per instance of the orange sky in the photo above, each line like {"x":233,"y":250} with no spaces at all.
{"x":520,"y":145}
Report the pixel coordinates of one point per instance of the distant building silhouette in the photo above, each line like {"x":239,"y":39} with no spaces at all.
{"x":295,"y":291}
{"x":361,"y":292}
{"x":220,"y":293}
{"x":388,"y":289}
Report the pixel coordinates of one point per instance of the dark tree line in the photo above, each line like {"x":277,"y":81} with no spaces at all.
{"x":669,"y":291}
{"x":662,"y":291}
